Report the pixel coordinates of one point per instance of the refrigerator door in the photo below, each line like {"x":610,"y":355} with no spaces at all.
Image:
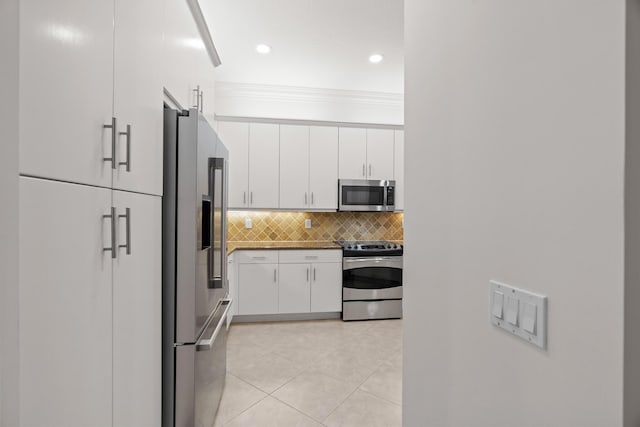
{"x":200,"y":373}
{"x":201,"y":232}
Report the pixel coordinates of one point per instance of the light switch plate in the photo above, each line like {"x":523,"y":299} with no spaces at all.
{"x":307,"y":223}
{"x":248,"y":223}
{"x":531,"y":313}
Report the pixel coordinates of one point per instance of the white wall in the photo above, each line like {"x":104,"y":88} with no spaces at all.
{"x":515,"y":139}
{"x":284,"y":102}
{"x":9,"y":213}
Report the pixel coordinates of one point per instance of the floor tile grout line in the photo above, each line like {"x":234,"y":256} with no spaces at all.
{"x":245,"y":410}
{"x":298,"y":410}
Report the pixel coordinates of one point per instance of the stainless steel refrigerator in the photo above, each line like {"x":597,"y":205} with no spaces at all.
{"x":195,"y":286}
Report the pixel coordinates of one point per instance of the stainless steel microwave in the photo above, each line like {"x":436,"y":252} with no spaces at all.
{"x":366,"y":195}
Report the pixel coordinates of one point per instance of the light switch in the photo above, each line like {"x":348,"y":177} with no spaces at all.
{"x":529,"y":314}
{"x":496,"y":306}
{"x":248,"y":223}
{"x":512,"y":310}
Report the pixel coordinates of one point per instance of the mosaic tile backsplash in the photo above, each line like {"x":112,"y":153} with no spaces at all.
{"x":325,"y":226}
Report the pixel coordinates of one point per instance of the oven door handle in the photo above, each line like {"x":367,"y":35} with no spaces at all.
{"x":353,"y":263}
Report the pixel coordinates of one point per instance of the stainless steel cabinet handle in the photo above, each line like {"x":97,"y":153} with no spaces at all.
{"x":197,"y":92}
{"x":251,"y":198}
{"x":363,"y":170}
{"x":312,"y":197}
{"x":114,"y":134}
{"x":274,"y":275}
{"x":369,"y":169}
{"x":307,"y":274}
{"x":314,"y":274}
{"x":305,"y":197}
{"x":112,"y":216}
{"x":127,"y":217}
{"x":127,"y":163}
{"x":310,"y":257}
{"x":259,"y":257}
{"x":244,"y":197}
{"x":201,"y":102}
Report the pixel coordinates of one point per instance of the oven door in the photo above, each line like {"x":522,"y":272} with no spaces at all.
{"x":365,"y":278}
{"x":363,"y":195}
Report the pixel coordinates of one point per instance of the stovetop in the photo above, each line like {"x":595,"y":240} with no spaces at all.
{"x":369,"y":247}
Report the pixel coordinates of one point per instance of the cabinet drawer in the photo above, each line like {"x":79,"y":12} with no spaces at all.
{"x":257,"y":257}
{"x":310,"y":255}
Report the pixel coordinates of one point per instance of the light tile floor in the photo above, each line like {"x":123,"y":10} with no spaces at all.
{"x":313,"y":373}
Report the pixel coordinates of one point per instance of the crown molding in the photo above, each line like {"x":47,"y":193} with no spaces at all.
{"x":309,"y":95}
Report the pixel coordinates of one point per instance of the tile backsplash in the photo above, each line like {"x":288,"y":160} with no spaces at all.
{"x":280,"y":226}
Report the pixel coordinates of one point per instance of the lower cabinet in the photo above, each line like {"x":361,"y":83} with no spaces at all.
{"x":90,"y":324}
{"x":289,"y":281}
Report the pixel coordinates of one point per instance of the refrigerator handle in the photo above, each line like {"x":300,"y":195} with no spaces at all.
{"x":204,"y":345}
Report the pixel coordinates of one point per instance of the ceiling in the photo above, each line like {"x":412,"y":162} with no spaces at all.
{"x":315,"y":43}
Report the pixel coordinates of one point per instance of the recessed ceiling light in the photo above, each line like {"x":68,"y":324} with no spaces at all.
{"x":375,"y":58}
{"x":263,"y":48}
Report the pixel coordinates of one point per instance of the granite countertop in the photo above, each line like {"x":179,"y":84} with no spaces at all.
{"x":232,"y":246}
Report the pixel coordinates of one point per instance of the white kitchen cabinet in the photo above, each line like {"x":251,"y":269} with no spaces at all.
{"x":326,"y":287}
{"x":366,"y":153}
{"x":66,"y":90}
{"x":232,"y":276}
{"x":352,"y":153}
{"x":89,"y":322}
{"x":258,"y":288}
{"x":235,"y":136}
{"x":398,"y":168}
{"x":379,"y":153}
{"x":323,"y":167}
{"x":65,"y":305}
{"x":294,"y":288}
{"x":138,"y":95}
{"x":264,"y":163}
{"x":83,"y":91}
{"x":137,"y":303}
{"x":308,"y":167}
{"x":294,"y":170}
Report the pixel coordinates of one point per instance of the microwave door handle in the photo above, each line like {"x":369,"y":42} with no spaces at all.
{"x":207,"y":344}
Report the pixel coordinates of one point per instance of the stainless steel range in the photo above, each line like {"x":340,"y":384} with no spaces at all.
{"x":371,"y":280}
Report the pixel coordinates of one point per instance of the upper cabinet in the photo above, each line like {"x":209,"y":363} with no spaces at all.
{"x":235,"y":136}
{"x":366,"y":153}
{"x":309,"y":167}
{"x":90,"y":95}
{"x":264,"y":163}
{"x":254,"y":161}
{"x":398,"y":167}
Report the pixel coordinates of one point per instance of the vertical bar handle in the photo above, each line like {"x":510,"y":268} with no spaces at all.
{"x":307,"y":274}
{"x":305,"y":198}
{"x":112,"y":217}
{"x":127,"y":162}
{"x":251,"y":198}
{"x":244,"y":197}
{"x":201,"y":100}
{"x":274,"y":275}
{"x":312,"y":198}
{"x":363,"y":170}
{"x":314,"y":274}
{"x":197,"y":92}
{"x":369,"y":169}
{"x":127,"y":217}
{"x":114,"y":133}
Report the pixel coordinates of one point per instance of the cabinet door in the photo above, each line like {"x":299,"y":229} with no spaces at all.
{"x":379,"y":153}
{"x":257,"y":288}
{"x":65,"y":305}
{"x":294,"y":173}
{"x":182,"y":45}
{"x":264,"y":157}
{"x":323,"y":167}
{"x":326,"y":287}
{"x":235,"y":136}
{"x":66,"y":89}
{"x":398,"y":168}
{"x":137,"y":304}
{"x":138,"y":95}
{"x":294,"y":291}
{"x":352,"y":153}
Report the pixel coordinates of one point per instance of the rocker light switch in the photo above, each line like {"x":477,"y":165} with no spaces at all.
{"x":512,"y":310}
{"x":496,"y":306}
{"x":529,"y":314}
